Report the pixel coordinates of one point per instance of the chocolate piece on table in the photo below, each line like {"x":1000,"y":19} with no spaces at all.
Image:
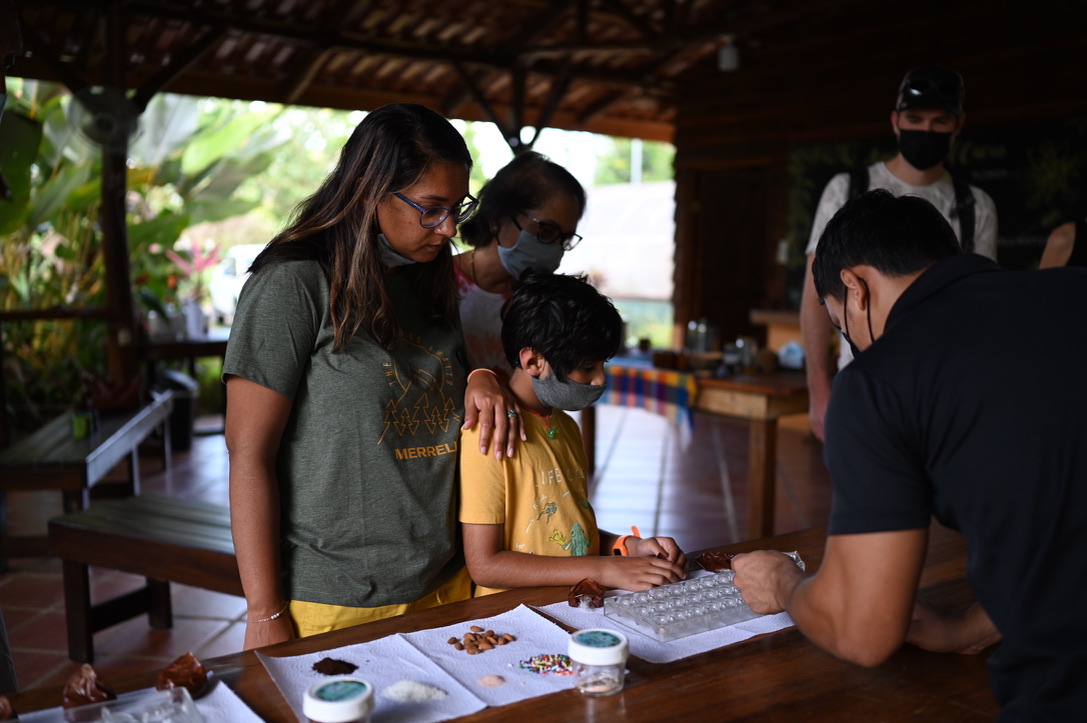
{"x":186,"y":672}
{"x":333,"y":666}
{"x":85,"y":687}
{"x":587,"y":588}
{"x":715,"y":561}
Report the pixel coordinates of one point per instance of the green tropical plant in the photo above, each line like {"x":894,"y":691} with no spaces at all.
{"x":184,"y":168}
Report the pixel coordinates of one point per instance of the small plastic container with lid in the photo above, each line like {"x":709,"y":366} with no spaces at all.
{"x":342,"y":699}
{"x":599,"y":659}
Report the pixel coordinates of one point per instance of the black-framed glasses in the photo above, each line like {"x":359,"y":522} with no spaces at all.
{"x":433,"y":216}
{"x":549,"y":233}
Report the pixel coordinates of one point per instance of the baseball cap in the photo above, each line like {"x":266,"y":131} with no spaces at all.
{"x":931,"y":86}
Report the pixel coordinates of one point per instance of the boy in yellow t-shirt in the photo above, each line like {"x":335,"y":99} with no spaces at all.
{"x":526,"y":519}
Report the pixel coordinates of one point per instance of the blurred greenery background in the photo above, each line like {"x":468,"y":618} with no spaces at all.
{"x":204,"y":175}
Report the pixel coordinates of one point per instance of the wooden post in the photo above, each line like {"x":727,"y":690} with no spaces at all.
{"x":122,"y":350}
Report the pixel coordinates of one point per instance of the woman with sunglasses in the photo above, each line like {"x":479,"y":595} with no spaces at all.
{"x":528,"y":216}
{"x":345,"y":376}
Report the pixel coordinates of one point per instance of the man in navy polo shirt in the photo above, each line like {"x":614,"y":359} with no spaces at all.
{"x":967,"y":401}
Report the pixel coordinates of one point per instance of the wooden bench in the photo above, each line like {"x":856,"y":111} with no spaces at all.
{"x":164,"y":539}
{"x":52,"y":459}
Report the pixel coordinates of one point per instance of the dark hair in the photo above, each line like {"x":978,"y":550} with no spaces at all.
{"x":563,"y":318}
{"x":389,"y":150}
{"x":525,"y":182}
{"x":896,"y":235}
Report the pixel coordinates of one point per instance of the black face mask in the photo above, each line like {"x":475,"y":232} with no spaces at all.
{"x":845,"y":327}
{"x":923,"y":149}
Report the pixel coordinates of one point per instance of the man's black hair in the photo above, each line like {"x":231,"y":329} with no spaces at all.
{"x":896,"y":235}
{"x":563,"y":318}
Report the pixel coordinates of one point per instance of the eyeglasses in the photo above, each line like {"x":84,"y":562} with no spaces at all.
{"x":433,"y":216}
{"x":549,"y":233}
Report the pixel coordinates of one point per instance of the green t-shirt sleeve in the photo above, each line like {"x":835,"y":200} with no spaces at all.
{"x":276,"y":325}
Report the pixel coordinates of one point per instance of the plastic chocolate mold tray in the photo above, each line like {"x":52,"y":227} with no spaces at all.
{"x":679,"y":609}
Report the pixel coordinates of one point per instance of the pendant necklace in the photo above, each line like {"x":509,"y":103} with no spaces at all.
{"x":551,"y":431}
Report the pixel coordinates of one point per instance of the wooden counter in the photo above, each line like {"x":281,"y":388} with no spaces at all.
{"x":778,"y":676}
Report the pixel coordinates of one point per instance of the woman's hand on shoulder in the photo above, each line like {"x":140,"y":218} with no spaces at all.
{"x":493,"y":406}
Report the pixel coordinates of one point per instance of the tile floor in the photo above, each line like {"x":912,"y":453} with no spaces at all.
{"x":686,"y":483}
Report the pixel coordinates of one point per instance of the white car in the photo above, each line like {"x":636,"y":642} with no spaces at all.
{"x":228,"y":276}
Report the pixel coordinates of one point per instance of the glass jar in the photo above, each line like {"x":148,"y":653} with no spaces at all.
{"x":342,"y":699}
{"x":599,"y":659}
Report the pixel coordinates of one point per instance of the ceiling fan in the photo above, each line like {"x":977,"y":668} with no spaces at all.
{"x":105,"y":116}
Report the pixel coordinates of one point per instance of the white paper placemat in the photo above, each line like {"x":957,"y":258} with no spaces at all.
{"x":535,"y":635}
{"x":382,"y":663}
{"x":653,"y":651}
{"x":220,"y":703}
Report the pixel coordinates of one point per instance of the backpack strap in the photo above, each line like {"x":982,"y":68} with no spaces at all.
{"x":858,"y":182}
{"x":964,"y":207}
{"x":1079,"y":244}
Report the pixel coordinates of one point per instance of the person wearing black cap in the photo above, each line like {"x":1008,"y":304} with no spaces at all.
{"x":927,"y":118}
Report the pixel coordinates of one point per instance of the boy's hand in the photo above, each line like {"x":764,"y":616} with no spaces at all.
{"x":657,"y":547}
{"x":639,"y":573}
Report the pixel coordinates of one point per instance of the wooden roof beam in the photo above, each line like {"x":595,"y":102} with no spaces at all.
{"x":638,"y":23}
{"x":162,"y":79}
{"x":317,"y":57}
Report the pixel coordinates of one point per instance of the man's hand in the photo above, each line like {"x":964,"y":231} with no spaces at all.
{"x":766,"y":579}
{"x":969,"y":632}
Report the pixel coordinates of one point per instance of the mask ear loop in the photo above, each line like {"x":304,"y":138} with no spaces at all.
{"x":868,"y":310}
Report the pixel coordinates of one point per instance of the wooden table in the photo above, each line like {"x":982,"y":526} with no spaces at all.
{"x":759,"y":399}
{"x":779,"y":676}
{"x":187,"y":350}
{"x":190,"y":349}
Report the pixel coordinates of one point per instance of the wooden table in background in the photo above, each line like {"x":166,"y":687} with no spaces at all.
{"x":759,"y":399}
{"x":188,"y":350}
{"x":778,"y":676}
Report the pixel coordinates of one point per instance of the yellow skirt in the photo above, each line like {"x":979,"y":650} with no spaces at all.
{"x":311,"y":618}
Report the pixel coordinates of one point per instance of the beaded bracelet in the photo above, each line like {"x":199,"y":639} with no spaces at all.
{"x":270,"y":618}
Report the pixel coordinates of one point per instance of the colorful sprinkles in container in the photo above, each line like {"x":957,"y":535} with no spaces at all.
{"x":548,"y":664}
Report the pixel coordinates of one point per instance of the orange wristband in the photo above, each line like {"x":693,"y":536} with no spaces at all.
{"x":620,"y":546}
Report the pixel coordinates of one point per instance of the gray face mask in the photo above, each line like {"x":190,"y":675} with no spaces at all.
{"x":529,"y":252}
{"x":390,"y":257}
{"x":568,"y":395}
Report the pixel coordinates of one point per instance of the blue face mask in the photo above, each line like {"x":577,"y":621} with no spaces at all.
{"x":529,"y":253}
{"x":568,"y":395}
{"x":390,"y":257}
